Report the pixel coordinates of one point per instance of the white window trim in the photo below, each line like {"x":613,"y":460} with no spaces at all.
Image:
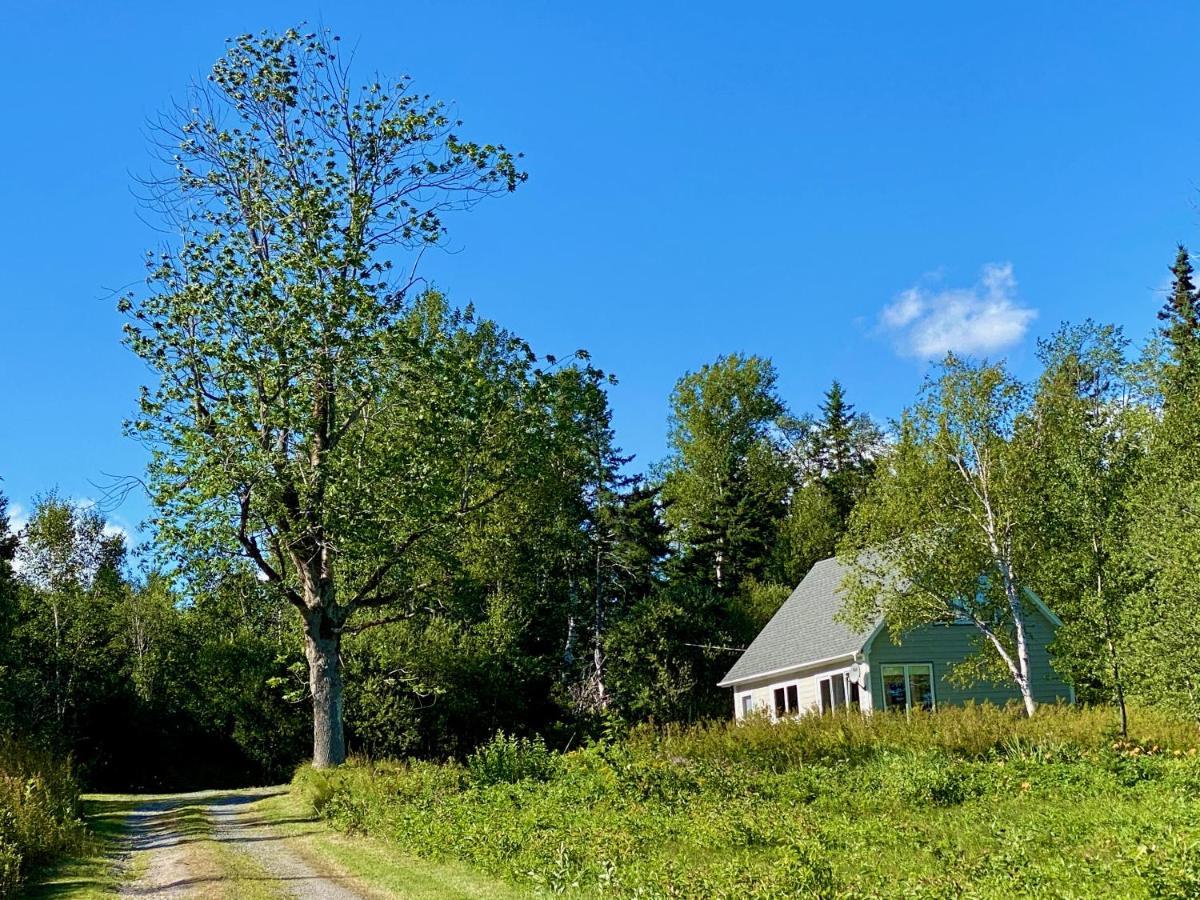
{"x":908,"y":692}
{"x":784,"y":685}
{"x":823,"y":676}
{"x":746,"y":709}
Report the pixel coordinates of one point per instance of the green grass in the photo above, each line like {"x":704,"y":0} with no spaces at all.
{"x":375,"y":863}
{"x":963,"y":803}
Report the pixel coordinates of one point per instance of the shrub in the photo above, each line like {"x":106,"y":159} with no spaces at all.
{"x":39,"y":812}
{"x":508,"y":760}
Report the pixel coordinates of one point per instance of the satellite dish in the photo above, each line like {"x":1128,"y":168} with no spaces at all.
{"x":855,"y":673}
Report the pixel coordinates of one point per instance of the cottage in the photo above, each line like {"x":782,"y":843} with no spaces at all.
{"x":805,"y":660}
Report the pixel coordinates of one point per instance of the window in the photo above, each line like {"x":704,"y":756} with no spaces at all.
{"x":787,"y":700}
{"x":837,"y":692}
{"x":908,"y":686}
{"x":747,"y":704}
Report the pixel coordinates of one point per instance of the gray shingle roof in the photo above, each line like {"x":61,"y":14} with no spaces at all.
{"x":803,"y":630}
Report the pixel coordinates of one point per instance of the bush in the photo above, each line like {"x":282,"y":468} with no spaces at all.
{"x":39,"y":812}
{"x":509,"y":760}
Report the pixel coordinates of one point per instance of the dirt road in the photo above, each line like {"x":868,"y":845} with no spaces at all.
{"x":216,"y":844}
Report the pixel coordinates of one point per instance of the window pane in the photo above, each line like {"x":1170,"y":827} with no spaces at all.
{"x":895,"y":696}
{"x":793,"y":698}
{"x":839,"y":691}
{"x":854,"y":693}
{"x":920,"y":680}
{"x":746,"y":698}
{"x":780,"y":709}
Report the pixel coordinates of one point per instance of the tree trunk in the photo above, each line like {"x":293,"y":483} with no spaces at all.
{"x":321,"y":645}
{"x":1024,"y":681}
{"x":1116,"y":669}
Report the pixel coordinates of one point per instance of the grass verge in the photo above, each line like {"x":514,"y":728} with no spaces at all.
{"x":378,"y":866}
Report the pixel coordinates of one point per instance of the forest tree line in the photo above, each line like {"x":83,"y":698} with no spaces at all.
{"x":343,"y":461}
{"x":588,"y":594}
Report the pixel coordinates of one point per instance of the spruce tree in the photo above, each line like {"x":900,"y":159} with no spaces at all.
{"x":839,"y":447}
{"x":1181,"y":315}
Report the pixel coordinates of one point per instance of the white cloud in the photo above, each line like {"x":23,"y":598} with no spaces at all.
{"x":928,"y":322}
{"x":111,"y":530}
{"x":18,"y":517}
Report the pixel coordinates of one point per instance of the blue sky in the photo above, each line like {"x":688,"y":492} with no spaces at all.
{"x":846,"y":188}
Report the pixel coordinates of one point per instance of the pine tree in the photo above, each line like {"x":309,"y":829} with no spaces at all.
{"x":1181,"y":315}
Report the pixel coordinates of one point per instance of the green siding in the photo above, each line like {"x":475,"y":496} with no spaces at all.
{"x":945,"y":645}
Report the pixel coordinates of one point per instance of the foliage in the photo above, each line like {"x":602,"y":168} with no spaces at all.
{"x":947,"y":530}
{"x":938,"y":804}
{"x":725,"y":481}
{"x":671,"y":649}
{"x":307,"y":414}
{"x":39,"y":811}
{"x":1089,"y":427}
{"x":508,"y":759}
{"x":1164,"y":541}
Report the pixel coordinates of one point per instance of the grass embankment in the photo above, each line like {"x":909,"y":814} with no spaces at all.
{"x":39,"y":812}
{"x":973,"y":802}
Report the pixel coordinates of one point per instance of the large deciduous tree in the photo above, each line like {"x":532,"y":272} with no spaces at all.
{"x":725,"y":482}
{"x":946,"y":529}
{"x":308,"y":413}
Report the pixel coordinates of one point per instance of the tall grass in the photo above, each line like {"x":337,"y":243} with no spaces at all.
{"x":974,"y":731}
{"x":39,"y":811}
{"x":975,"y":802}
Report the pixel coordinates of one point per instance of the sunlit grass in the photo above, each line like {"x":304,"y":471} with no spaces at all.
{"x":377,"y":864}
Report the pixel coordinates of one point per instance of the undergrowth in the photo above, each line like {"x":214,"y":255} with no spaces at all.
{"x":39,"y":812}
{"x":970,"y":802}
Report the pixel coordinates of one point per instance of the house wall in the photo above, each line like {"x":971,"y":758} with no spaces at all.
{"x":945,"y":645}
{"x":762,"y":690}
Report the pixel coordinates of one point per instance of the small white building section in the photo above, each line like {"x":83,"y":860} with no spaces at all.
{"x":804,"y":660}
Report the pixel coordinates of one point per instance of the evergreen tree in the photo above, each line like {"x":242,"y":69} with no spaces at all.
{"x":833,"y":457}
{"x":1181,"y":315}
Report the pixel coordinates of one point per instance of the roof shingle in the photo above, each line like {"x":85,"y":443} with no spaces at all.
{"x":803,"y":630}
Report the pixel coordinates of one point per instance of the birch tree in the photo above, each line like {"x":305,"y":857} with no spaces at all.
{"x":944,"y":532}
